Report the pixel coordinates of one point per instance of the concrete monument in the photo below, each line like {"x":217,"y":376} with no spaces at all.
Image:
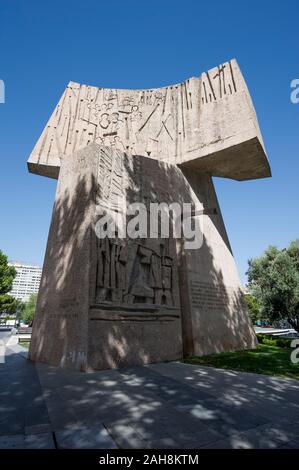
{"x":115,"y":301}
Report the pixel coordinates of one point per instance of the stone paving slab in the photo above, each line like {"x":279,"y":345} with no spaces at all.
{"x":292,"y":444}
{"x":38,"y":429}
{"x":39,"y":441}
{"x":33,"y":441}
{"x":12,"y":442}
{"x":125,"y":436}
{"x":95,"y":437}
{"x":21,"y":398}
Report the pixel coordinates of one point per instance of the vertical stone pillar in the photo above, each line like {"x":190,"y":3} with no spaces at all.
{"x":215,"y":315}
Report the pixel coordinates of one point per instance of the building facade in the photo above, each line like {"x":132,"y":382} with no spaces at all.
{"x":26,"y":282}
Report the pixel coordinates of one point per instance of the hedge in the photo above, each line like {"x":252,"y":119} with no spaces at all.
{"x":271,"y":340}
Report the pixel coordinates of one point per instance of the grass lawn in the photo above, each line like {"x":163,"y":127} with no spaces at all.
{"x":25,"y":344}
{"x":269,"y":360}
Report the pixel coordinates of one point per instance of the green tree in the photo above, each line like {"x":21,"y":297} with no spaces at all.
{"x":253,"y":307}
{"x":7,"y":275}
{"x":8,"y":304}
{"x":20,"y":307}
{"x":274,"y":281}
{"x":29,"y":310}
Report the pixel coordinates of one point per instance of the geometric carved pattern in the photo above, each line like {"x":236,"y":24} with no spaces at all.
{"x":179,"y":124}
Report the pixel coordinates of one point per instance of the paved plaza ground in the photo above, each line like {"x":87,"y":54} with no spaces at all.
{"x":167,"y":405}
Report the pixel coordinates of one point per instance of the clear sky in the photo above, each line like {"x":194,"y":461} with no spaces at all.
{"x":140,"y":44}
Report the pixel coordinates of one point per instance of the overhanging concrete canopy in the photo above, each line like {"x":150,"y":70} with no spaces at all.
{"x":207,"y":123}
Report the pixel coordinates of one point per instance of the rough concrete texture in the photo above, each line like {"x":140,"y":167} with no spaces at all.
{"x":111,"y":303}
{"x":208,"y":122}
{"x":107,"y":303}
{"x":118,"y":302}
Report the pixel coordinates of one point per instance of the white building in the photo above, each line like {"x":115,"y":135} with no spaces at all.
{"x":26,"y":282}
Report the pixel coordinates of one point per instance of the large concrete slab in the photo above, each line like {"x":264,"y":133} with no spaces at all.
{"x":95,"y":437}
{"x":208,"y":122}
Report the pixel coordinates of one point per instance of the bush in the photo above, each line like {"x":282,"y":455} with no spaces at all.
{"x":271,"y":340}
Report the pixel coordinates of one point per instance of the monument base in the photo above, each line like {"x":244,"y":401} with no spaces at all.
{"x":106,"y":303}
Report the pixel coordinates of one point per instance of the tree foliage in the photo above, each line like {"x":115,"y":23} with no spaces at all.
{"x":7,"y":275}
{"x":8,"y":303}
{"x":20,"y":307}
{"x":274,"y":282}
{"x":29,"y":310}
{"x":253,"y":307}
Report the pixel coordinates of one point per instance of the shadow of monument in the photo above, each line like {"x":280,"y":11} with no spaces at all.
{"x":22,"y":405}
{"x":162,"y":406}
{"x":60,"y":286}
{"x":174,"y":406}
{"x":68,"y":278}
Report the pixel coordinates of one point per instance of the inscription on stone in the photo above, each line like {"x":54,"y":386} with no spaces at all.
{"x":209,"y":296}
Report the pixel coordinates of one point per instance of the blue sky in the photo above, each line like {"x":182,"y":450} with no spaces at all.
{"x":140,"y":44}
